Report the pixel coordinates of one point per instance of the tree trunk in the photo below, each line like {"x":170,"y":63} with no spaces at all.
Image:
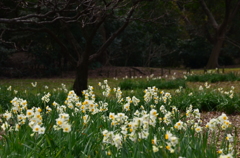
{"x":81,"y":79}
{"x":213,"y":59}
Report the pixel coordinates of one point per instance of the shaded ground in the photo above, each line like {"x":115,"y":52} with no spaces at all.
{"x":119,"y":72}
{"x":131,"y":71}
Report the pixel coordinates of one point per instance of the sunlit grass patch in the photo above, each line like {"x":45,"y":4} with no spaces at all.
{"x":41,"y":84}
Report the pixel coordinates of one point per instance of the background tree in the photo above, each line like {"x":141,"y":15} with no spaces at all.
{"x":150,"y":41}
{"x":213,"y":20}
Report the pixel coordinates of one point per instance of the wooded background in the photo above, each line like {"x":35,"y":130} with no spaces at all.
{"x":47,"y":37}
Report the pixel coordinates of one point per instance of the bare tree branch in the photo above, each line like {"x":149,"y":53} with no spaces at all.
{"x":113,"y":36}
{"x":209,"y":14}
{"x":235,"y":10}
{"x":8,"y":42}
{"x":236,"y":44}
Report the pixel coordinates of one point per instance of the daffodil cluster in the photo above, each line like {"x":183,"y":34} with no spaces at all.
{"x":118,"y":119}
{"x":106,"y":88}
{"x":19,"y":105}
{"x":229,"y":93}
{"x":151,"y":93}
{"x":171,"y":142}
{"x":71,"y":99}
{"x":35,"y":120}
{"x":229,"y":151}
{"x":129,"y":101}
{"x":118,"y":94}
{"x":62,"y":122}
{"x":109,"y":137}
{"x":21,"y":115}
{"x":221,"y":122}
{"x":46,"y":98}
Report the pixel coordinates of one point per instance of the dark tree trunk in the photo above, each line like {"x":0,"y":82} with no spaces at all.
{"x":213,"y":59}
{"x":81,"y":79}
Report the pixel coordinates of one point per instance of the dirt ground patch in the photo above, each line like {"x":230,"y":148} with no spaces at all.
{"x":110,"y":72}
